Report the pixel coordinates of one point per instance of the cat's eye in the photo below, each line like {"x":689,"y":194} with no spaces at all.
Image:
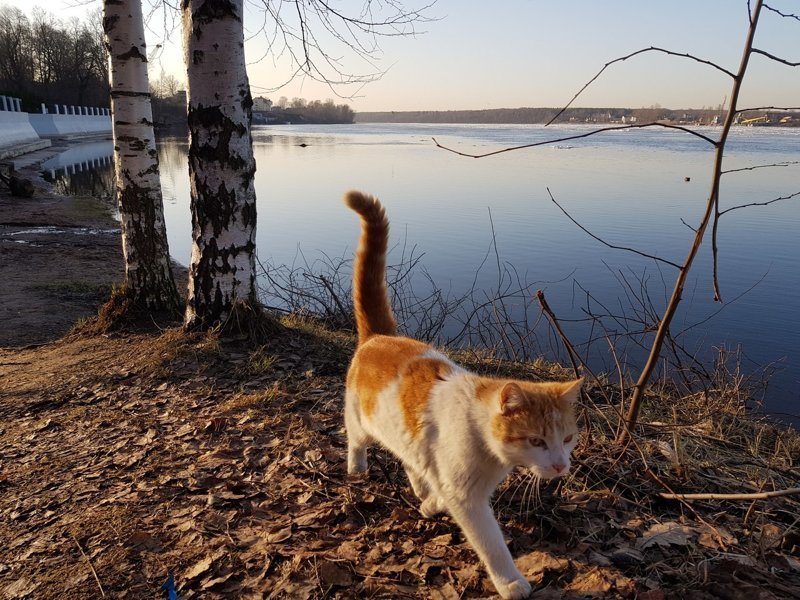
{"x":538,"y":443}
{"x":568,"y":439}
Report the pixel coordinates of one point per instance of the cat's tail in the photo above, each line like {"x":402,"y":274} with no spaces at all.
{"x":370,"y":294}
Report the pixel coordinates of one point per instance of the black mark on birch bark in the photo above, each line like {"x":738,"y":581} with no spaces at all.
{"x":213,"y":10}
{"x":109,"y":23}
{"x":134,"y":52}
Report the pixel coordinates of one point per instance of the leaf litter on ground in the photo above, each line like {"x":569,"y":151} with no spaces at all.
{"x":162,"y":456}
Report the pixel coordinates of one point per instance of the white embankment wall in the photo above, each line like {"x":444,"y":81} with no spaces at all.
{"x":16,"y":129}
{"x":20,"y":129}
{"x":51,"y":125}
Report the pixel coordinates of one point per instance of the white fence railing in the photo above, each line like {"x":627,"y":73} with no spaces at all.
{"x":20,"y":130}
{"x":12,"y":104}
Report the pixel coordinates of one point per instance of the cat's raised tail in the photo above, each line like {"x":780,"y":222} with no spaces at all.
{"x":370,"y":294}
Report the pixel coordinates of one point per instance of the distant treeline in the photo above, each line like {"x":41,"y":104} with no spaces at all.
{"x":299,"y":110}
{"x":46,"y":60}
{"x":525,"y":116}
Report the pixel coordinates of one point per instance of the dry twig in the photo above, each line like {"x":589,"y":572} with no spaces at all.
{"x":753,"y":496}
{"x":89,"y":562}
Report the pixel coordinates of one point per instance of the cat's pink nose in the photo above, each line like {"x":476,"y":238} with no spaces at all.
{"x":558,"y":467}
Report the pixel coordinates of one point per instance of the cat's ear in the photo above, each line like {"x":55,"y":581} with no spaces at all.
{"x":571,"y":390}
{"x":512,"y":399}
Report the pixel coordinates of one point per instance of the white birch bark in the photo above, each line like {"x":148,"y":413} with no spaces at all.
{"x":221,"y":163}
{"x":148,"y":275}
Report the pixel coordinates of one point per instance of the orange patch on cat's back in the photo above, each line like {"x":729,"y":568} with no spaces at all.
{"x":377,"y":363}
{"x":417,"y":381}
{"x":486,"y":389}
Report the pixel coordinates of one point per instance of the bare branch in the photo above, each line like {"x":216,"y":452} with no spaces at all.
{"x":631,"y":55}
{"x":776,"y":58}
{"x":784,"y":15}
{"x":605,"y":243}
{"x":714,"y":313}
{"x":767,"y":203}
{"x":577,"y":137}
{"x":753,"y":168}
{"x":744,"y":110}
{"x":573,"y":356}
{"x":307,"y":32}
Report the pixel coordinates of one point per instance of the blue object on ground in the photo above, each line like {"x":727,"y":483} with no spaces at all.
{"x":169,"y":587}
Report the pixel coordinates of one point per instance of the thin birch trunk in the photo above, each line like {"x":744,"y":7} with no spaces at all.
{"x":221,"y":163}
{"x":148,"y":275}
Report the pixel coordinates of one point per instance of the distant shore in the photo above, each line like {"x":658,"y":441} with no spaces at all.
{"x":600,"y":116}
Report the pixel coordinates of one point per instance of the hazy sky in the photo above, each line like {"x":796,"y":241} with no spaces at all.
{"x":512,"y":53}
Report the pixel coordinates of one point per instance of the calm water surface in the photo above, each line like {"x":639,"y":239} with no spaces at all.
{"x":627,"y":187}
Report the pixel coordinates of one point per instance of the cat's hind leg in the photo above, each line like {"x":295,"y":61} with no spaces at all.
{"x":357,"y":438}
{"x":421,"y":488}
{"x":431,"y":505}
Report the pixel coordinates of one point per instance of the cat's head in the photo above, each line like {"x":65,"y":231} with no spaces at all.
{"x":534,"y":425}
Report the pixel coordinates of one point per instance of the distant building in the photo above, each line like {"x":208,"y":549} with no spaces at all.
{"x":261,"y":104}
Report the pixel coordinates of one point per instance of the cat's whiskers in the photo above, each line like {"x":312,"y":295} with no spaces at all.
{"x":513,"y":488}
{"x":531,"y":488}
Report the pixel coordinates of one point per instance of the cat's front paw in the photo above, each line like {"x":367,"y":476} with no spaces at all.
{"x":514,"y":590}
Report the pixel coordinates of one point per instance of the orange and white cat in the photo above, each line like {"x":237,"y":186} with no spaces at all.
{"x":457,"y":434}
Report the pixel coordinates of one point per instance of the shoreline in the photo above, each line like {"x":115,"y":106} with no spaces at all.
{"x":59,"y":255}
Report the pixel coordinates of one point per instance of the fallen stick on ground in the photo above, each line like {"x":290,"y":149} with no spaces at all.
{"x":752,"y":496}
{"x":89,"y":562}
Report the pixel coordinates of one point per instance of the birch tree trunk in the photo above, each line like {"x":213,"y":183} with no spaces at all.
{"x":221,"y":163}
{"x":148,"y":275}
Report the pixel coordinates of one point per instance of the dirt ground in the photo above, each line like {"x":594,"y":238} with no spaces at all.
{"x":59,"y":256}
{"x":135,"y":463}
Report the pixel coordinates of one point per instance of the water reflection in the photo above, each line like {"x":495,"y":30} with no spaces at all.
{"x":85,"y":169}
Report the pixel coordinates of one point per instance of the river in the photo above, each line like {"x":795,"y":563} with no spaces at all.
{"x":482,"y":223}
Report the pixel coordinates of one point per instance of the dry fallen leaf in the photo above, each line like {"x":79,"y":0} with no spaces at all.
{"x":771,"y":536}
{"x":446,"y":592}
{"x":601,"y":560}
{"x":280,"y":535}
{"x":198,"y":568}
{"x":141,"y":540}
{"x":350,"y":549}
{"x":333,"y":573}
{"x":594,"y":583}
{"x":651,"y":595}
{"x":716,"y":539}
{"x":209,"y":583}
{"x":20,"y":588}
{"x":665,"y":535}
{"x":625,"y":556}
{"x":270,"y":488}
{"x":534,"y":564}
